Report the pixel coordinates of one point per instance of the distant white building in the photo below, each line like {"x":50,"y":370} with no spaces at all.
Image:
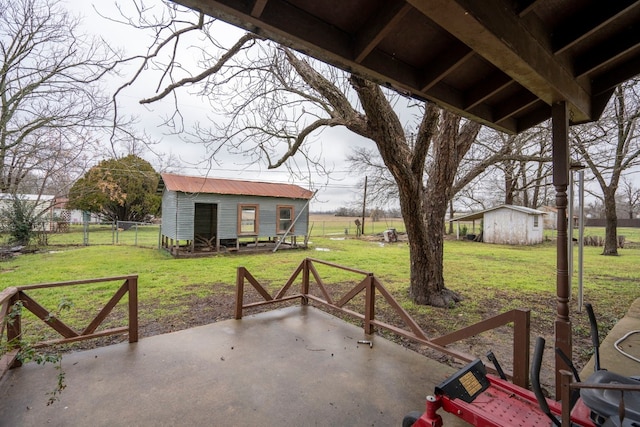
{"x":508,"y":224}
{"x":51,"y":210}
{"x":72,"y":216}
{"x":40,"y":203}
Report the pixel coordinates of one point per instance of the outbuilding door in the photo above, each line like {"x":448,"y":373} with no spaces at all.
{"x":205,"y":224}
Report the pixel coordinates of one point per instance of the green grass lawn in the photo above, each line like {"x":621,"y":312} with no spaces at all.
{"x":491,"y":278}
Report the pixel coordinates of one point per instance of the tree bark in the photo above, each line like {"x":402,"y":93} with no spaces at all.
{"x":423,"y":210}
{"x":611,"y":225}
{"x":450,"y":145}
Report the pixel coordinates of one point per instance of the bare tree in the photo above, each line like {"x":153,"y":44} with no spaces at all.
{"x":497,"y":168}
{"x":522,"y":175}
{"x":271,"y":105}
{"x":609,"y":147}
{"x":381,"y":187}
{"x":50,"y":99}
{"x":629,"y":197}
{"x":470,"y":170}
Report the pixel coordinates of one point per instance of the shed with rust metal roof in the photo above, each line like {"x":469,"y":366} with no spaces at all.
{"x":209,"y":215}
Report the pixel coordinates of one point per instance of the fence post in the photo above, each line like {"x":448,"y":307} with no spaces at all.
{"x":239,"y":291}
{"x":305,"y":281}
{"x":133,"y":308}
{"x":86,"y":216}
{"x":14,"y":329}
{"x":369,"y":308}
{"x":521,"y":341}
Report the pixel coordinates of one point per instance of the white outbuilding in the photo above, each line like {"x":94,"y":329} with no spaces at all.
{"x":508,"y":225}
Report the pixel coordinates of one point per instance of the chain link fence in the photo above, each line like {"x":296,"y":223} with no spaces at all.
{"x":63,"y":233}
{"x":333,"y":226}
{"x":116,"y":233}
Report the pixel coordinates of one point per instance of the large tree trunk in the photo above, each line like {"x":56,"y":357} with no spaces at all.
{"x":425,"y":230}
{"x":611,"y":227}
{"x":449,"y":147}
{"x":406,"y":162}
{"x":429,"y":260}
{"x":422,"y":288}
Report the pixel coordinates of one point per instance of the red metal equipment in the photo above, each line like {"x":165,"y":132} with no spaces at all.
{"x":500,"y":404}
{"x":488,"y":401}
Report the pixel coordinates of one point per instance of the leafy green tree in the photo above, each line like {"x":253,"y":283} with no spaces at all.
{"x":121,"y":189}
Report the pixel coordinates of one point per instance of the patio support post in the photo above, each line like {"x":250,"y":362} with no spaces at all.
{"x":560,"y":125}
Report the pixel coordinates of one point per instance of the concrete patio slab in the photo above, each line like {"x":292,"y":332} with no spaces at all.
{"x":296,"y":366}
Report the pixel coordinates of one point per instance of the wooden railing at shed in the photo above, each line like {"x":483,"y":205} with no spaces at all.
{"x":9,"y":297}
{"x":371,"y":285}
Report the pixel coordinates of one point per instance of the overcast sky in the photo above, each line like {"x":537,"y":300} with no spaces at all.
{"x":335,"y":143}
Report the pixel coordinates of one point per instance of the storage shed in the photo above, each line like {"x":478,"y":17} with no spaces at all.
{"x":509,"y":225}
{"x":203,"y":215}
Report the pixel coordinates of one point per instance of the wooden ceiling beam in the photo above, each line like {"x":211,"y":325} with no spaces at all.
{"x":444,"y":64}
{"x":283,"y":23}
{"x":282,"y":18}
{"x":452,"y":99}
{"x":601,"y":56}
{"x":524,"y":99}
{"x":379,"y":27}
{"x":493,"y":30}
{"x":258,"y":8}
{"x":484,"y":90}
{"x":524,"y":7}
{"x":389,"y":71}
{"x":510,"y":35}
{"x":589,"y":21}
{"x":611,"y":79}
{"x":539,"y":114}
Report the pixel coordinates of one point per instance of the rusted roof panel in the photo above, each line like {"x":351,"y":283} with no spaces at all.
{"x":193,"y":184}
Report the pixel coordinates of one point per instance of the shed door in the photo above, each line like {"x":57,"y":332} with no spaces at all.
{"x":205,"y":224}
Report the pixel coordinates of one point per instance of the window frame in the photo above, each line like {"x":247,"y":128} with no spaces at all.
{"x":278,"y":218}
{"x":256,"y":225}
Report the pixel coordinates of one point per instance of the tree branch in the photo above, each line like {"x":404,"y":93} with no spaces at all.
{"x":208,"y":72}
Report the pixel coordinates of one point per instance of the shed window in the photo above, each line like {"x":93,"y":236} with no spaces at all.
{"x":535,"y":220}
{"x":248,"y":216}
{"x":284,"y":218}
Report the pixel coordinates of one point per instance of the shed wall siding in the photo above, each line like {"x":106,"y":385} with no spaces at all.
{"x":506,"y":226}
{"x":227,"y":214}
{"x":535,"y":233}
{"x":169,"y":214}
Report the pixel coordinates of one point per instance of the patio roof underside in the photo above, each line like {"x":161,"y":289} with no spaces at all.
{"x":500,"y":62}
